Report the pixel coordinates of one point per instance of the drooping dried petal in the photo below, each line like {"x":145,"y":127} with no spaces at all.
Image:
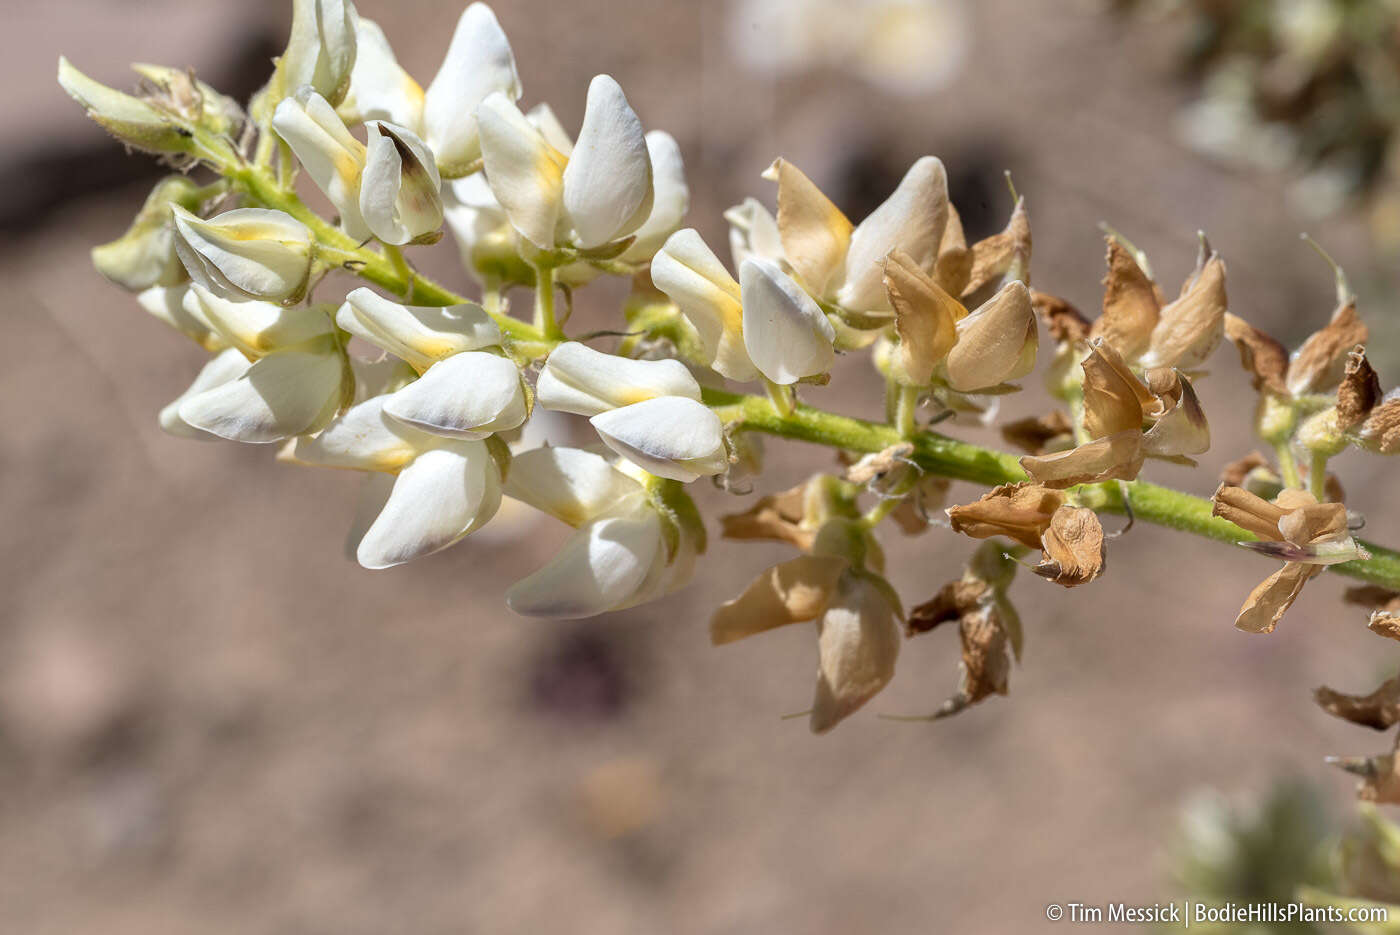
{"x":1320,"y":363}
{"x":986,"y":664}
{"x":857,"y":645}
{"x":1190,"y":328}
{"x":790,"y":592}
{"x":1035,"y":434}
{"x":1131,"y":305}
{"x":1380,"y":709}
{"x":954,"y":599}
{"x":1117,"y":456}
{"x":1360,"y":390}
{"x":1073,"y":546}
{"x":815,"y":234}
{"x":1018,"y":511}
{"x":1268,"y":602}
{"x":1065,"y":323}
{"x":925,"y":318}
{"x":1009,"y":250}
{"x":1264,"y":358}
{"x":776,"y":516}
{"x":1247,"y":511}
{"x":1385,"y":607}
{"x":912,"y":514}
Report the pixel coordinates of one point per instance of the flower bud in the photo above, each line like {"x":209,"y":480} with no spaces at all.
{"x":419,"y":335}
{"x":578,"y":379}
{"x":145,"y":255}
{"x":693,"y":277}
{"x":401,"y":192}
{"x":247,"y":253}
{"x":130,"y":119}
{"x":177,"y":91}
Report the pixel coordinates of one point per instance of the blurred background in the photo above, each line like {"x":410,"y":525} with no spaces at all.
{"x":211,"y":721}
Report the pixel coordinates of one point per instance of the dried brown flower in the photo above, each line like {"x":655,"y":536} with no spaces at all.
{"x":778,"y":517}
{"x":814,"y":232}
{"x":1066,"y":324}
{"x":1131,"y":304}
{"x":1039,"y":434}
{"x":1073,"y":547}
{"x":994,"y":256}
{"x":925,"y":318}
{"x":1261,"y":355}
{"x":1379,"y":710}
{"x":1359,"y":392}
{"x":1320,"y":363}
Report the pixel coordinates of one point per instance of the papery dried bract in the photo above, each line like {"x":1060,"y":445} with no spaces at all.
{"x":995,"y":343}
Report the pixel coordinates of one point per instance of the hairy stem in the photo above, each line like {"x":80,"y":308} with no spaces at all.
{"x":948,"y":457}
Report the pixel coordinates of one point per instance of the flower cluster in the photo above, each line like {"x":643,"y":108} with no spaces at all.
{"x":429,"y":393}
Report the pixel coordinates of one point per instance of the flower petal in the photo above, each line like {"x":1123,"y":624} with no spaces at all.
{"x":670,"y":436}
{"x":1268,"y":602}
{"x":785,"y":332}
{"x":525,"y":172}
{"x":401,"y":192}
{"x":478,"y":63}
{"x":570,"y":484}
{"x":857,"y":645}
{"x":603,"y":566}
{"x":790,"y":592}
{"x":670,"y":200}
{"x":693,"y":277}
{"x":224,"y":367}
{"x":815,"y":234}
{"x":285,"y":393}
{"x":439,"y":498}
{"x":925,"y":317}
{"x":380,"y":89}
{"x":607,"y":182}
{"x":363,"y":439}
{"x":331,"y":156}
{"x":753,"y":231}
{"x":996,"y":343}
{"x":1117,"y":456}
{"x":468,"y":395}
{"x":246,"y":253}
{"x":578,"y":379}
{"x":420,"y":335}
{"x":258,"y":328}
{"x":169,"y":304}
{"x":911,"y":219}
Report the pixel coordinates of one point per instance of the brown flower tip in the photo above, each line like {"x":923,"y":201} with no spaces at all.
{"x":1360,"y":390}
{"x":1385,"y":608}
{"x":1248,"y":471}
{"x":1131,"y":304}
{"x":1381,"y":430}
{"x":1319,"y":365}
{"x":1040,"y":434}
{"x":1021,"y":512}
{"x":1006,"y":252}
{"x":1066,"y":324}
{"x":1073,"y":546}
{"x":1262,"y":356}
{"x":953,"y":268}
{"x":1379,"y":710}
{"x":1191,"y":327}
{"x":1380,"y":776}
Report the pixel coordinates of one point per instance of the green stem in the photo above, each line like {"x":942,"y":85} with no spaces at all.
{"x":545,"y":321}
{"x":1287,"y":466}
{"x":905,"y":406}
{"x":948,"y":457}
{"x":1317,"y":476}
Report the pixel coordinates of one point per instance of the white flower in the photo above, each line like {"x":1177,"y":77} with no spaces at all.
{"x":168,"y":303}
{"x":299,"y":376}
{"x":223,"y":368}
{"x":598,"y":194}
{"x":764,"y":324}
{"x":753,"y":231}
{"x":419,"y":335}
{"x":842,"y":264}
{"x":401,"y":192}
{"x":333,"y":158}
{"x":467,"y":395}
{"x":247,"y":253}
{"x":648,"y":411}
{"x":321,"y":51}
{"x":443,"y":488}
{"x":478,"y":63}
{"x":618,"y":556}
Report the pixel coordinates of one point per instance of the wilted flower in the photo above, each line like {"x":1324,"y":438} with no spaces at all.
{"x":1070,"y":537}
{"x":1296,"y":528}
{"x":401,"y":192}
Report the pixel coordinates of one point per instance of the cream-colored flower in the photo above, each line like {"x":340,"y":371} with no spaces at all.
{"x":246,"y":253}
{"x":321,"y":51}
{"x":333,"y":158}
{"x":600,"y":193}
{"x":618,"y":556}
{"x":420,"y":335}
{"x":648,"y":411}
{"x":401,"y":191}
{"x":145,"y":255}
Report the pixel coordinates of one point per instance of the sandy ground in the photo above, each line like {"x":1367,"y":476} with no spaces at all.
{"x":211,"y":721}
